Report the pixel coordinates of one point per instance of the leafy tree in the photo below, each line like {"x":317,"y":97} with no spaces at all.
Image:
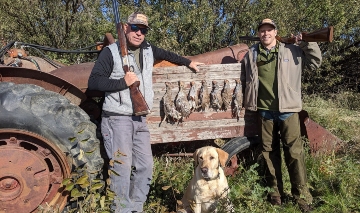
{"x":67,"y":24}
{"x":194,"y":27}
{"x":59,"y":24}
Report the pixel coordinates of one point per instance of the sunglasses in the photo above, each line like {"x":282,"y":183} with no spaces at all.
{"x":136,"y":28}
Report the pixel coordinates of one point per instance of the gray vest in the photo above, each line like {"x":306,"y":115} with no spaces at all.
{"x":120,"y":102}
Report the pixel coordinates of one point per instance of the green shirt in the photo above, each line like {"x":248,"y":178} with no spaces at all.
{"x":268,"y":84}
{"x":136,"y":52}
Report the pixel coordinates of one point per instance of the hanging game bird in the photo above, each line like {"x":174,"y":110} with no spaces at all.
{"x":238,"y":99}
{"x":226,"y":95}
{"x":193,"y":97}
{"x":215,"y":96}
{"x":169,"y":106}
{"x":204,"y":96}
{"x":181,"y":102}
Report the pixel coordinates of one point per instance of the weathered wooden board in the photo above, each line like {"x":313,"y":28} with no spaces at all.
{"x":211,"y":124}
{"x":199,"y":125}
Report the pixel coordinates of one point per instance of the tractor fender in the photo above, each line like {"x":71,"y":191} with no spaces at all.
{"x":48,"y":81}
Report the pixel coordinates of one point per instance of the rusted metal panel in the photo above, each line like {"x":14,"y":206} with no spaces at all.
{"x":320,"y":139}
{"x":19,"y":57}
{"x":43,"y":64}
{"x":226,"y":55}
{"x":45,"y":80}
{"x":77,"y":74}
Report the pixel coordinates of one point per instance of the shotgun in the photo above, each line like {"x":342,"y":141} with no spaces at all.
{"x":322,"y":35}
{"x":140,"y":106}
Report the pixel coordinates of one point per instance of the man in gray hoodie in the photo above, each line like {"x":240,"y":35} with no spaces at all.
{"x":126,"y":136}
{"x":271,"y":77}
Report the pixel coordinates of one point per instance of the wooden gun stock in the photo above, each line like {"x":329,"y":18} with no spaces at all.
{"x":322,"y":35}
{"x":140,"y":106}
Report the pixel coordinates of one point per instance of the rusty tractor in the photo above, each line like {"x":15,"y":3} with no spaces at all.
{"x":48,"y":121}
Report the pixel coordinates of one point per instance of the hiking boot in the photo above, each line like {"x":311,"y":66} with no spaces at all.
{"x":275,"y":200}
{"x":304,"y":207}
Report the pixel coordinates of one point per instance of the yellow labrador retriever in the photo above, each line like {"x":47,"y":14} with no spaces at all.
{"x":209,"y":182}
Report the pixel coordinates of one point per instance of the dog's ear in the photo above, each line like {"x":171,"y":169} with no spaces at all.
{"x":196,"y":162}
{"x":223,"y":156}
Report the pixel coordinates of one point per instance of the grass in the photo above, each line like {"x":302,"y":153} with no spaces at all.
{"x":339,"y":114}
{"x":334,"y":178}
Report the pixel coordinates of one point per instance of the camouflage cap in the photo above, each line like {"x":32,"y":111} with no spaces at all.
{"x":267,"y":21}
{"x":138,"y":18}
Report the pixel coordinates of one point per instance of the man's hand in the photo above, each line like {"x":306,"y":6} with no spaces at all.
{"x":193,"y":65}
{"x":130,"y":78}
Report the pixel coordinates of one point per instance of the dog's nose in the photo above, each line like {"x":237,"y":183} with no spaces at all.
{"x":204,"y":170}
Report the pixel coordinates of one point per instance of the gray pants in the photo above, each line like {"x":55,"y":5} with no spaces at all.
{"x":127,"y":142}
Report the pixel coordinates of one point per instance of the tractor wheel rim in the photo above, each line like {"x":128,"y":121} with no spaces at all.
{"x":31,"y":172}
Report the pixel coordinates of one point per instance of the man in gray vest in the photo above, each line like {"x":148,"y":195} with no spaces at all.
{"x":272,"y":80}
{"x":126,"y":136}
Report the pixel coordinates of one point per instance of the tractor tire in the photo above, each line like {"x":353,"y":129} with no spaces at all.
{"x":237,"y":145}
{"x":43,"y":138}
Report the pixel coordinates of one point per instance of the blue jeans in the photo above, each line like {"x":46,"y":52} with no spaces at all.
{"x":275,"y":115}
{"x":127,"y":141}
